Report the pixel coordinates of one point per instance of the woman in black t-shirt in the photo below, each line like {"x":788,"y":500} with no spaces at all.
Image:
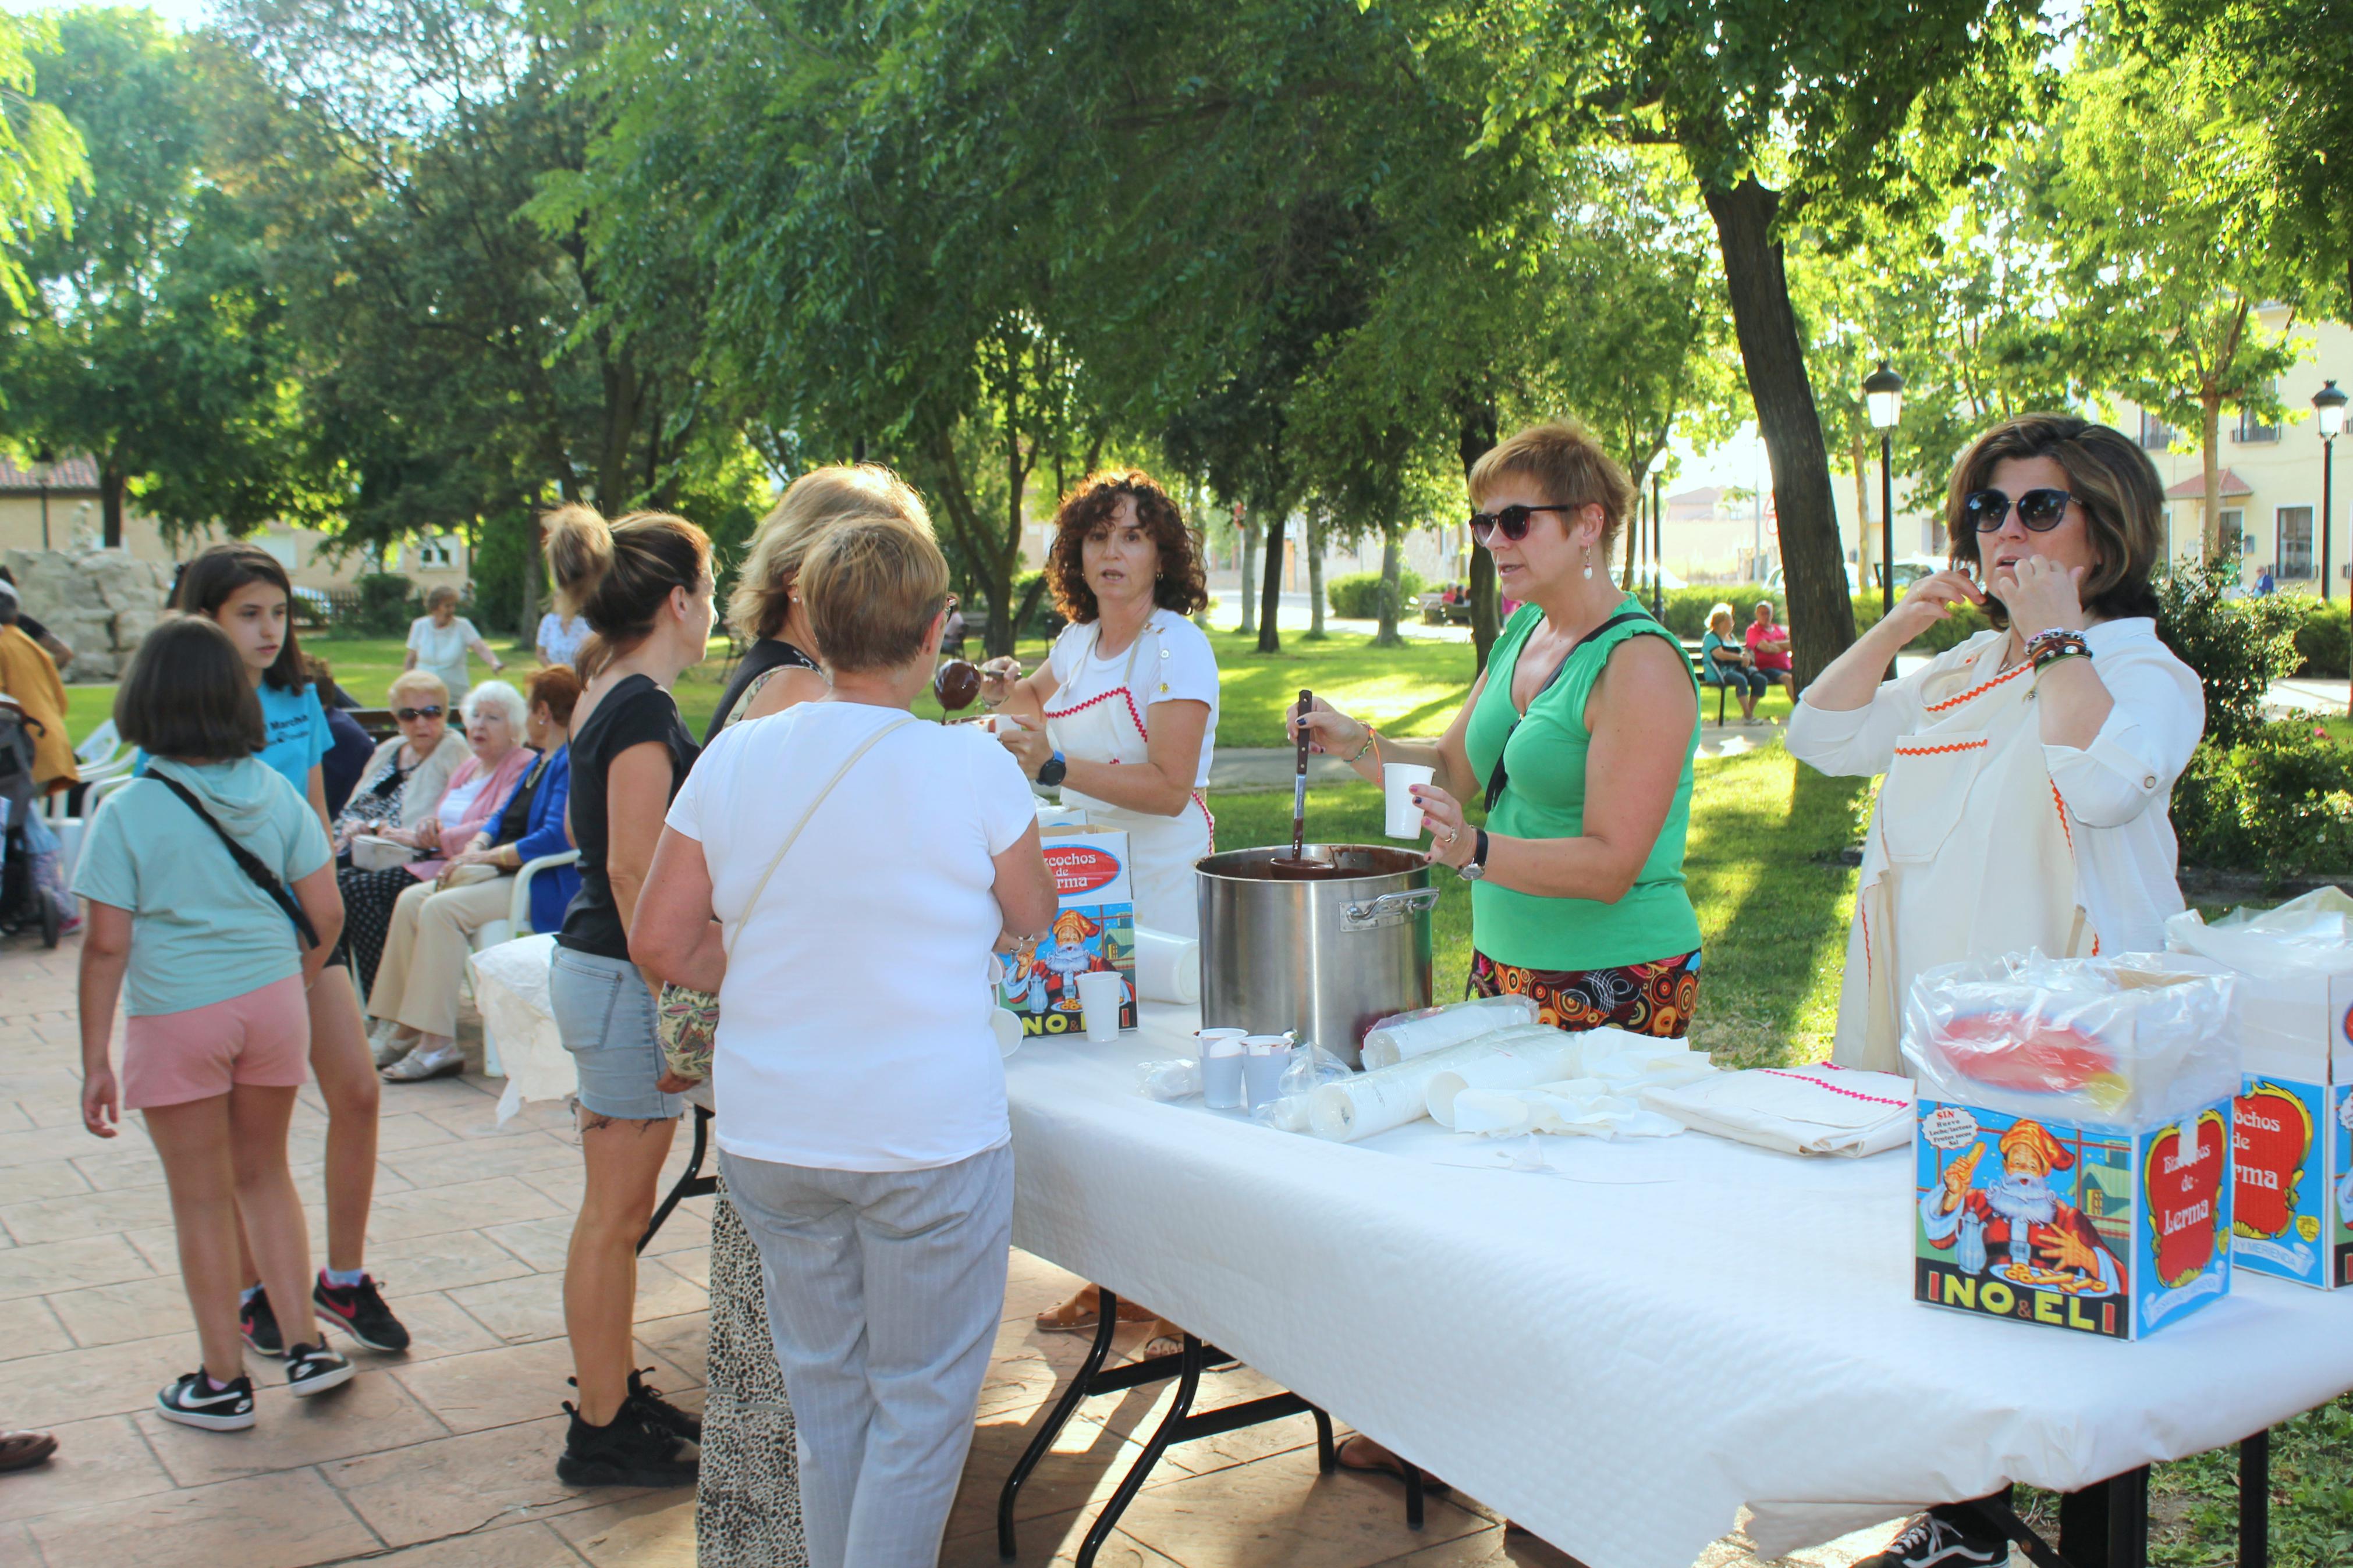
{"x":644,"y":585}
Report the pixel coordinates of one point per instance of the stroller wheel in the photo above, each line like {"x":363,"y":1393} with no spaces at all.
{"x":52,"y":921}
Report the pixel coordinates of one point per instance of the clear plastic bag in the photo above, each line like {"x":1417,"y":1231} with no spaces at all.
{"x":2129,"y":1041}
{"x":1311,"y":1065}
{"x":1178,"y":1079}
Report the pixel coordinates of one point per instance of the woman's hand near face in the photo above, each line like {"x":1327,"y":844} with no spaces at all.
{"x":2040,"y":594}
{"x":1932,"y":599}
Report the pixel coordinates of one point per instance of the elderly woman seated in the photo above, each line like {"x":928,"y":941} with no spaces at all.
{"x":476,"y":793}
{"x":433,"y":923}
{"x":403,"y":779}
{"x":1725,"y":660}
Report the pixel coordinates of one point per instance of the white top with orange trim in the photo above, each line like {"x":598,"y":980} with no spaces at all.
{"x":2115,"y":792}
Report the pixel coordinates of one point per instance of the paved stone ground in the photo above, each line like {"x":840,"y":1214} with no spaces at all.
{"x":445,"y":1458}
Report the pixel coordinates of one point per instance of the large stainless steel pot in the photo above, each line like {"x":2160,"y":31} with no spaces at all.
{"x":1325,"y":958}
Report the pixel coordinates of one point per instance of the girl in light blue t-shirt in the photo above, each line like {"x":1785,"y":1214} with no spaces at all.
{"x":244,"y":591}
{"x":212,"y":910}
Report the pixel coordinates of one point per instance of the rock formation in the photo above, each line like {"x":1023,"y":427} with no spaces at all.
{"x":102,"y":601}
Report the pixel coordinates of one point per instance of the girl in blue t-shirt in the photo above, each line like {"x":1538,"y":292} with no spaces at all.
{"x":205,"y":878}
{"x":244,"y":591}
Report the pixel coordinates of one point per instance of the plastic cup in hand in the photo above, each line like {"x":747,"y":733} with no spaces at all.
{"x":1398,"y":779}
{"x":1222,"y":1072}
{"x":1101,"y":992}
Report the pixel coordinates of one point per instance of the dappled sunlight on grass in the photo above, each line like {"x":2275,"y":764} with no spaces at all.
{"x":1409,"y":691}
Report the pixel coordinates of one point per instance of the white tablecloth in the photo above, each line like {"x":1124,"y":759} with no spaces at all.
{"x":1621,"y":1356}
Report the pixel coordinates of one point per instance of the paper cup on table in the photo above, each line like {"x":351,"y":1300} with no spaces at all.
{"x":1221,"y":1070}
{"x":1101,"y":992}
{"x":1398,"y":779}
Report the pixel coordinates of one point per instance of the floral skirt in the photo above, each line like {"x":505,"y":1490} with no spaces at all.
{"x":1654,"y":998}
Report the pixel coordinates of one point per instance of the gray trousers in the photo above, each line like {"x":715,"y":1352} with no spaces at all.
{"x":885,"y":1291}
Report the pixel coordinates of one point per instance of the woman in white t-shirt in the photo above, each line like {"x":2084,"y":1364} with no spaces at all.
{"x":839,"y":873}
{"x":1124,"y":713}
{"x":560,"y":637}
{"x":438,"y":640}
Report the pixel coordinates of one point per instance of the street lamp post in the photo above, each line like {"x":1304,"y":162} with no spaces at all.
{"x":2328,"y":414}
{"x":1883,"y":397}
{"x":1658,"y":555}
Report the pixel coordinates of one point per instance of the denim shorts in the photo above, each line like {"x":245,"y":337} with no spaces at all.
{"x":605,"y":1016}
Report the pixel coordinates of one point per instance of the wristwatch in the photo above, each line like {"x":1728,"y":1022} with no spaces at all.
{"x":1052,"y":772}
{"x":1475,"y":868}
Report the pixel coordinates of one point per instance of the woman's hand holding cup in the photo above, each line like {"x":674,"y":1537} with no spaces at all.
{"x":1026,"y":741}
{"x":1452,"y":842}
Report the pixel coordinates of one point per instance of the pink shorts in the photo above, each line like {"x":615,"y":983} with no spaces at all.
{"x":262,"y":1037}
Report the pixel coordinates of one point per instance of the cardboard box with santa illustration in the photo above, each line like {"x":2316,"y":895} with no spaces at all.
{"x":2293,"y":1119}
{"x":1094,"y":929}
{"x":2098,"y":1230}
{"x":2072,"y":1143}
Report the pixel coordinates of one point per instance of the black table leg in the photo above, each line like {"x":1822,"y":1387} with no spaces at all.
{"x":2256,"y":1500}
{"x":1188,"y":1382}
{"x":2106,"y":1526}
{"x":1106,"y":1329}
{"x":1413,"y":1493}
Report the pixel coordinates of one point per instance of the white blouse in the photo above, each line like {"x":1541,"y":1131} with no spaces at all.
{"x":2118,"y":790}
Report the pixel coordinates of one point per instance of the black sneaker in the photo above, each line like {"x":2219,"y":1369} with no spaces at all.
{"x":315,"y":1369}
{"x":664,"y":1415}
{"x":359,"y":1310}
{"x":1944,"y":1537}
{"x":632,"y":1451}
{"x":259,"y":1325}
{"x":192,"y":1402}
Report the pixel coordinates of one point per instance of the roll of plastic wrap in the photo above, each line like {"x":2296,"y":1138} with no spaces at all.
{"x":1373,"y":1102}
{"x":1167,"y":968}
{"x":1409,"y":1034}
{"x":1522,"y":1062}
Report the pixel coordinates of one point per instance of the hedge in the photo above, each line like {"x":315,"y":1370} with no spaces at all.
{"x":1357,"y":596}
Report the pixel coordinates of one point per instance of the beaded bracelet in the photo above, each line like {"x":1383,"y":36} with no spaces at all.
{"x":2051,"y":653}
{"x":1363,"y":748}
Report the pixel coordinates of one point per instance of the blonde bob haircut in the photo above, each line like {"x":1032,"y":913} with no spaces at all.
{"x":874,"y":587}
{"x":1562,"y":458}
{"x":762,"y":596}
{"x":1722,"y":612}
{"x":422,"y":683}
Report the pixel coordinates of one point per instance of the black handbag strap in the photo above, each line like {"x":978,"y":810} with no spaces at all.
{"x":1496,"y":780}
{"x":247,"y":861}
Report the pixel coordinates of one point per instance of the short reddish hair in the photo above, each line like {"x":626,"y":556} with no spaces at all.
{"x":558,"y":687}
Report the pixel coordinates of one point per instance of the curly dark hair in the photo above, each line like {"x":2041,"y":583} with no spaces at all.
{"x":1180,"y":586}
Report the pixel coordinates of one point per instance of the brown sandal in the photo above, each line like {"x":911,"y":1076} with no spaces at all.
{"x":23,"y":1451}
{"x":1082,"y":1312}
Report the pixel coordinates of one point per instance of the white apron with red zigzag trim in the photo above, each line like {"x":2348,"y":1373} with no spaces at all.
{"x":1969,"y":854}
{"x":1110,"y":728}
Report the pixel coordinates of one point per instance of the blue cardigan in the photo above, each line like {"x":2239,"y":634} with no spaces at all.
{"x":543,"y":834}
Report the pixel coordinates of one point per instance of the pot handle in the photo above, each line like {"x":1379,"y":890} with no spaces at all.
{"x":1388,"y":910}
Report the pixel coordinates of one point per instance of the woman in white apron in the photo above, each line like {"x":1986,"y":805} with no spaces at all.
{"x":1124,"y":713}
{"x":2028,"y":769}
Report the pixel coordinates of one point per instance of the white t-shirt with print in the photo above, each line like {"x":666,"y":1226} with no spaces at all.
{"x":1188,"y":672}
{"x":854,"y":1029}
{"x":560,"y":638}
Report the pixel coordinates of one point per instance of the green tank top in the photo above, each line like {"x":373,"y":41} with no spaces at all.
{"x":1545,"y":799}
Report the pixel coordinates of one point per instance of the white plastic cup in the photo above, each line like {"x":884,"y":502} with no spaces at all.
{"x":1263,"y":1058}
{"x":1398,"y":779}
{"x":1221,"y":1070}
{"x":1101,"y":992}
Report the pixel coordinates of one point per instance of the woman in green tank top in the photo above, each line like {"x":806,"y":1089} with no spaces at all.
{"x":1579,"y":738}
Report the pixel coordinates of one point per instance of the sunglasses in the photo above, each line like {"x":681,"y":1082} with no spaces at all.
{"x":2039,"y":509}
{"x":410,"y":715}
{"x":1512,"y":522}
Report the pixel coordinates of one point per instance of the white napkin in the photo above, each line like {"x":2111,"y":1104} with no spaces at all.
{"x":1821,"y":1110}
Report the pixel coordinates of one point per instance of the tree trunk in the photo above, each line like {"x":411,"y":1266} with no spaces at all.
{"x":1269,"y":602}
{"x":1313,"y":528}
{"x":1821,"y":615}
{"x":1249,"y":531}
{"x":111,"y":484}
{"x":1861,"y":453}
{"x":531,"y":574}
{"x":1476,"y":439}
{"x":2209,"y":448}
{"x":1392,"y":563}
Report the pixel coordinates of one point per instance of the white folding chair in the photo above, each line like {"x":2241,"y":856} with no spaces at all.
{"x":490,"y":934}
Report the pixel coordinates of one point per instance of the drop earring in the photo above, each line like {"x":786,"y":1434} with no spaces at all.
{"x":1589,"y":562}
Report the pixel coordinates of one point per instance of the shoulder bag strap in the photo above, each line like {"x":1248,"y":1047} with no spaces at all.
{"x":728,"y":945}
{"x":1497,"y":781}
{"x":247,"y":861}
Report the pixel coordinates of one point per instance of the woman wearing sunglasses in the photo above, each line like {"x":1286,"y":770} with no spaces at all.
{"x":1579,"y":739}
{"x":2043,"y":751}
